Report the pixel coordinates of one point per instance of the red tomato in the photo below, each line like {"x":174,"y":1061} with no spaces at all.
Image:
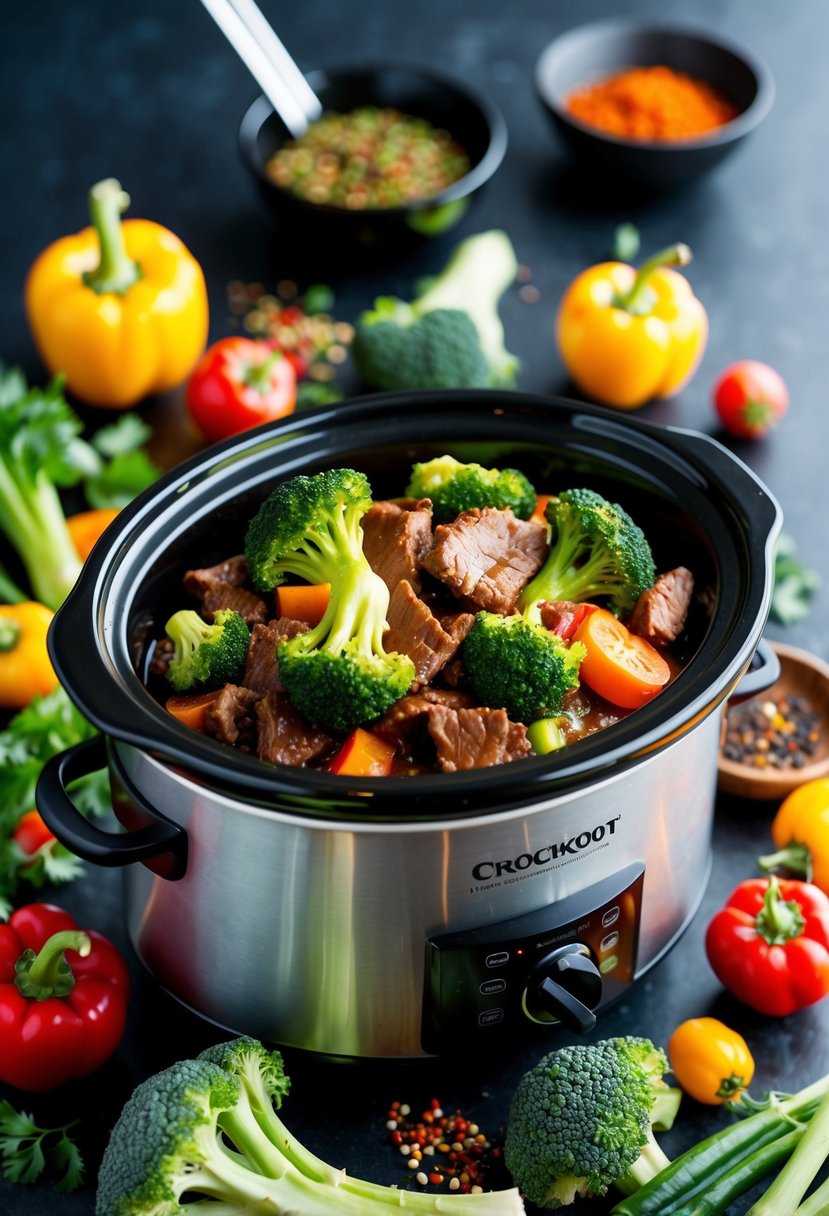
{"x":31,"y":833}
{"x":240,"y":383}
{"x":750,"y":398}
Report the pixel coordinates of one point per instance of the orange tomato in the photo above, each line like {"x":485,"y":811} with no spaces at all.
{"x":619,"y":665}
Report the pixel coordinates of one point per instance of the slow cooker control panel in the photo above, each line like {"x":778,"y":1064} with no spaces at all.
{"x":556,"y":965}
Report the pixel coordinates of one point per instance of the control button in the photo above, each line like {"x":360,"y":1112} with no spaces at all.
{"x":607,"y":943}
{"x":501,"y":958}
{"x":491,"y":1017}
{"x":610,"y":917}
{"x":491,"y":987}
{"x":609,"y":964}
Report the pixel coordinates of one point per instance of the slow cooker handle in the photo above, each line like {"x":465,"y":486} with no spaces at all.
{"x":763,"y":672}
{"x":92,"y":843}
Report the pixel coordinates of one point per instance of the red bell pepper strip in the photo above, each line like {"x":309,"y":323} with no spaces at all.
{"x":769,"y":945}
{"x":63,"y":999}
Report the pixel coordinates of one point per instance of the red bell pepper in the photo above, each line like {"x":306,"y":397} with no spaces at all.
{"x":63,"y":999}
{"x":769,"y":945}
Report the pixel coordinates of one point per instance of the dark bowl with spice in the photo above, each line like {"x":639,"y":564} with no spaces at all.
{"x":651,"y":106}
{"x":423,"y":146}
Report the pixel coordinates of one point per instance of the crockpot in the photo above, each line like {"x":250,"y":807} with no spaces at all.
{"x":386,"y":917}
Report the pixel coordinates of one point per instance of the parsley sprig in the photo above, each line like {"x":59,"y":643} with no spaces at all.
{"x":28,"y":1151}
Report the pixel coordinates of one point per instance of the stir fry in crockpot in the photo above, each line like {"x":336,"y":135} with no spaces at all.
{"x":466,"y":624}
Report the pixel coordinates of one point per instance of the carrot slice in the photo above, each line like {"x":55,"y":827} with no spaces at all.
{"x":303,"y":603}
{"x":619,"y":665}
{"x":363,"y":755}
{"x":541,"y":501}
{"x":87,"y":526}
{"x":190,"y":708}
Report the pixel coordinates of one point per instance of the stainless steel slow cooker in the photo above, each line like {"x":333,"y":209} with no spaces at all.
{"x":389,"y":916}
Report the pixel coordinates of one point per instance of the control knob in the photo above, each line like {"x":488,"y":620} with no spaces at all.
{"x":564,"y":986}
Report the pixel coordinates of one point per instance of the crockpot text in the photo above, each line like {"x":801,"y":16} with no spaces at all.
{"x":547,"y":853}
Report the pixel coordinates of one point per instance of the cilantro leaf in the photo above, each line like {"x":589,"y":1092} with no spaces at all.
{"x":27,"y":1151}
{"x":119,"y":480}
{"x":794,"y":584}
{"x":125,"y":435}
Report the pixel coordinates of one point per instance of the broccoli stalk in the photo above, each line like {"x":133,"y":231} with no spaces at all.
{"x":595,"y":550}
{"x":453,"y":487}
{"x":203,"y":1136}
{"x":581,"y":1121}
{"x":337,"y":674}
{"x":206,"y":655}
{"x":451,"y":335}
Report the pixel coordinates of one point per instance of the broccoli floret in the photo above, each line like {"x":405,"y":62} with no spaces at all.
{"x":204,"y":1136}
{"x":582,"y":1121}
{"x":337,"y":674}
{"x":206,"y":655}
{"x":450,"y":336}
{"x":454,"y":487}
{"x":519,"y":665}
{"x":596,"y":550}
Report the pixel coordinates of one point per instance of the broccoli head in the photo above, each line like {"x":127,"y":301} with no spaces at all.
{"x":596,"y":550}
{"x":337,"y":674}
{"x":521,"y":666}
{"x":204,"y":1136}
{"x":454,"y":487}
{"x":450,"y":336}
{"x":206,"y":655}
{"x":582,"y":1120}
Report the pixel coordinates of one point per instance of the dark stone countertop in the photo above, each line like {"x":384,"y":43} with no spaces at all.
{"x":153,"y":95}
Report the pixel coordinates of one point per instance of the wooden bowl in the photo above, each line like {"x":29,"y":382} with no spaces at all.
{"x":805,"y":675}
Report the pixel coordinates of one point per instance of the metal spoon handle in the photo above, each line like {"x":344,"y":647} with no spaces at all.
{"x":268,"y":61}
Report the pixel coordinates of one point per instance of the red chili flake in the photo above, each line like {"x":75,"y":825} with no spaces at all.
{"x":460,"y":1156}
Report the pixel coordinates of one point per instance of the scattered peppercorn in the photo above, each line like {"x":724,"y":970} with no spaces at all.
{"x":772,"y":733}
{"x":460,"y":1156}
{"x":312,"y":339}
{"x":368,"y":158}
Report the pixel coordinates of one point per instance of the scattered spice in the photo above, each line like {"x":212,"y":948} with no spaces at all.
{"x":301,"y":326}
{"x":652,"y":103}
{"x":446,"y":1150}
{"x":767,"y":733}
{"x":529,"y":294}
{"x":370,"y":157}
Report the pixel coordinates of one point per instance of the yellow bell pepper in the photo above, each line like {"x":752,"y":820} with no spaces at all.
{"x":25,"y":669}
{"x":626,"y":336}
{"x":800,"y":830}
{"x":710,"y":1061}
{"x":120,"y":308}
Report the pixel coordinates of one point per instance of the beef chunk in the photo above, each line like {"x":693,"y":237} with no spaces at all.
{"x":476,"y":738}
{"x":487,"y":556}
{"x":225,"y":596}
{"x":660,"y":613}
{"x":464,"y":735}
{"x":283,"y":736}
{"x":231,"y":573}
{"x":396,"y":538}
{"x":413,"y":630}
{"x":261,"y":663}
{"x":231,"y":718}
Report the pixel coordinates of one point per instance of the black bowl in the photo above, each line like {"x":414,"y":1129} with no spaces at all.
{"x":471,"y":119}
{"x":591,"y":52}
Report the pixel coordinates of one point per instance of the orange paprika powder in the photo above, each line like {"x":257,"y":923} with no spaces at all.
{"x":652,"y":103}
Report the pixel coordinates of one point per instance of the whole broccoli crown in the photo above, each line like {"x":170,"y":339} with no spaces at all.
{"x":246,"y":1056}
{"x":206,"y":655}
{"x":579,"y":1119}
{"x":440,"y":349}
{"x":164,"y":1132}
{"x":595,"y":550}
{"x":454,"y":487}
{"x":339,"y":691}
{"x":520,"y":666}
{"x":306,"y":527}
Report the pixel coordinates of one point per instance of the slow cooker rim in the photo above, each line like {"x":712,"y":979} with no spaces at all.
{"x":147,"y":724}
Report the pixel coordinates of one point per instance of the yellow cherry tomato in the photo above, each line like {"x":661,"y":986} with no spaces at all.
{"x":711,"y":1062}
{"x":627,"y":336}
{"x":25,"y":669}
